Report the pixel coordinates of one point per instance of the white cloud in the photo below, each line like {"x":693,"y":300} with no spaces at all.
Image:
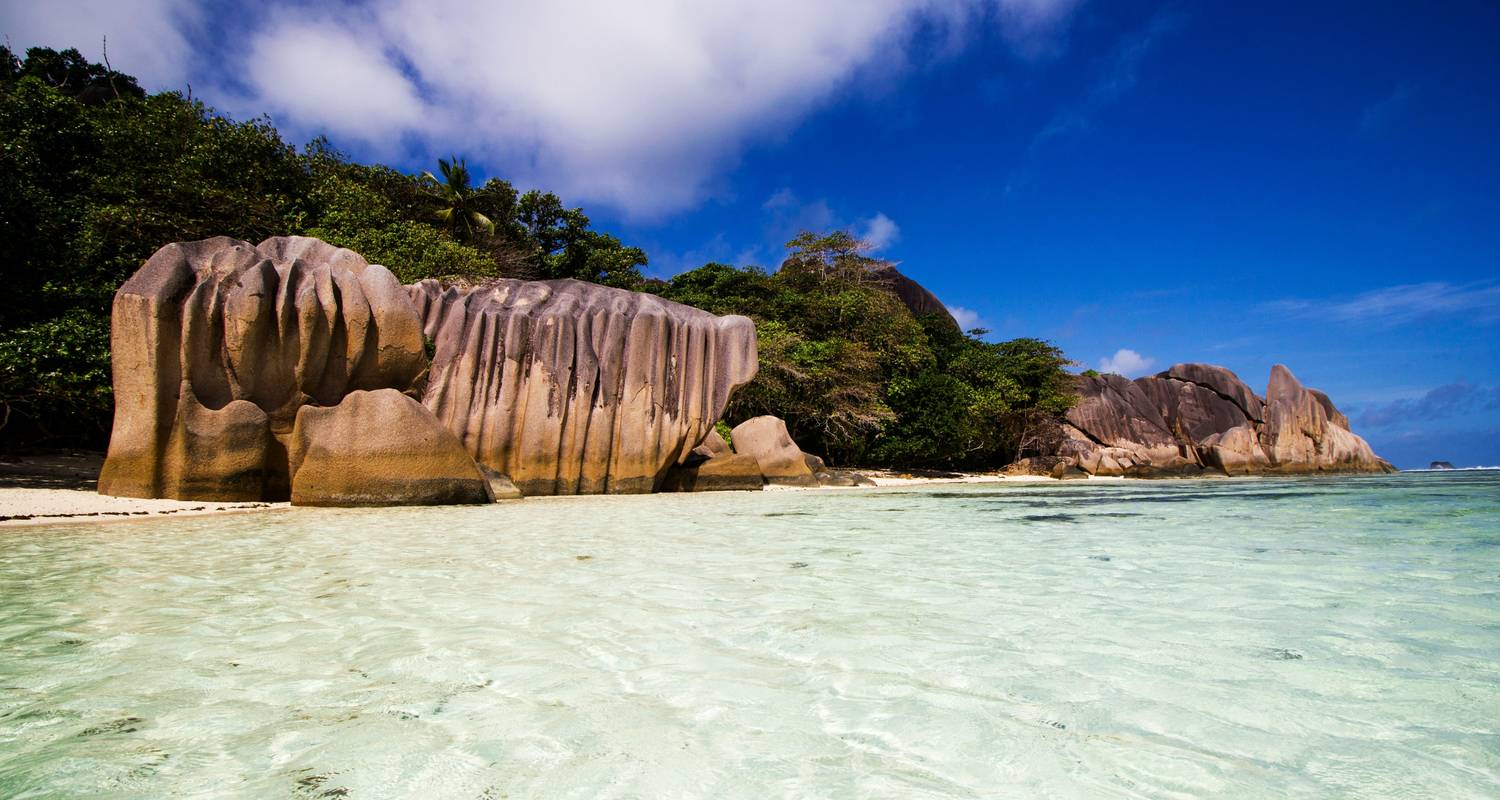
{"x":305,"y":70}
{"x":879,"y":232}
{"x":966,"y":318}
{"x":639,"y":105}
{"x":149,"y":39}
{"x":1126,"y":362}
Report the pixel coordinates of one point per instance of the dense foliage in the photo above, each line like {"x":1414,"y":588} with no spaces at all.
{"x":860,"y":379}
{"x":95,"y":175}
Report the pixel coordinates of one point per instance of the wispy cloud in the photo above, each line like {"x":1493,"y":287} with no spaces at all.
{"x":641,"y":106}
{"x":1477,"y":302}
{"x":1444,"y":402}
{"x":1385,"y":112}
{"x":1126,"y":362}
{"x":1120,"y":76}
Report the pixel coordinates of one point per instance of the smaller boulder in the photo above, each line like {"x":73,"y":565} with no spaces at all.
{"x":814,"y":463}
{"x":766,"y":440}
{"x":712,"y":446}
{"x":1236,"y":451}
{"x":379,"y":448}
{"x":726,"y":473}
{"x":501,"y":487}
{"x":1069,"y":472}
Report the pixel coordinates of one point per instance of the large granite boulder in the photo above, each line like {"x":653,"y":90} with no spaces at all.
{"x":573,"y":388}
{"x":1121,"y":430}
{"x":1300,"y":436}
{"x":217,"y":344}
{"x":765,"y":439}
{"x":1222,"y":382}
{"x":380,"y":448}
{"x":1335,"y":416}
{"x":1190,"y":411}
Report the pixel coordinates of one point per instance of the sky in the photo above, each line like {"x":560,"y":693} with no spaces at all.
{"x":1141,"y":183}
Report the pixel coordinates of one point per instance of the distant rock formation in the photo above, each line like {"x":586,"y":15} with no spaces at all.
{"x":1196,"y":417}
{"x":292,"y":370}
{"x":1440,"y":465}
{"x":574,"y":388}
{"x":912,"y":294}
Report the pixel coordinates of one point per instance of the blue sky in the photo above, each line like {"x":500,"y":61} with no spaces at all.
{"x":1140,"y":182}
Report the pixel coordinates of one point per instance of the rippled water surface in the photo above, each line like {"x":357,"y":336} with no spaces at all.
{"x":1255,"y":638}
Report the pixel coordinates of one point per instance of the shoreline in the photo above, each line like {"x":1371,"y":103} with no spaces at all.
{"x":60,"y":490}
{"x":28,"y":506}
{"x":24,"y":507}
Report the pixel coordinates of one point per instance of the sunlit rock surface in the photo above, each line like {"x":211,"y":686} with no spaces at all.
{"x":217,"y":344}
{"x":574,"y":388}
{"x":1196,"y":417}
{"x":374,"y":446}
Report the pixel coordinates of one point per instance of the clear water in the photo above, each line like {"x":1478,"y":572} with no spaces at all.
{"x":1254,"y":638}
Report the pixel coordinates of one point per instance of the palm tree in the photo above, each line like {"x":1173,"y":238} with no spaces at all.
{"x":455,"y":197}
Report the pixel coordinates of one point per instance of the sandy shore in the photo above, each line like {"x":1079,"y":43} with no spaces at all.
{"x":51,"y":506}
{"x":51,"y":489}
{"x":45,"y":490}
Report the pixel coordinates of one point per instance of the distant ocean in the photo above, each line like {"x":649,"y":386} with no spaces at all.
{"x":1253,"y":638}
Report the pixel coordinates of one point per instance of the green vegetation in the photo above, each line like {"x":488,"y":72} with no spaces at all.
{"x":95,"y":175}
{"x":860,"y":379}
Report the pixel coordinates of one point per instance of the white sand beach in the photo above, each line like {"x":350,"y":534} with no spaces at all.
{"x":49,"y":489}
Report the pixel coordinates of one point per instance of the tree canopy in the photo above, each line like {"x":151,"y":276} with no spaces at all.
{"x":96,"y":175}
{"x":860,"y":379}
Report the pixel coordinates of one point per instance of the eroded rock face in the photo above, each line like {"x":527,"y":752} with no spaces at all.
{"x":380,"y":448}
{"x":1300,"y":435}
{"x":1222,"y":382}
{"x":216,"y":346}
{"x":1118,"y":429}
{"x":1189,"y":410}
{"x":1199,"y":416}
{"x":573,"y":388}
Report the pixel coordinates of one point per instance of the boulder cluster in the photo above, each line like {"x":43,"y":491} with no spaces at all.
{"x":1195,"y":418}
{"x":762,"y":453}
{"x":296,"y":370}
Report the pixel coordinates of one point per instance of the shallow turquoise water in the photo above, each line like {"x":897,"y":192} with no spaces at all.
{"x":1254,"y":638}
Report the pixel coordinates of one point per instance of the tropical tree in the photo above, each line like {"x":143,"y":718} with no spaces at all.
{"x":456,"y":199}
